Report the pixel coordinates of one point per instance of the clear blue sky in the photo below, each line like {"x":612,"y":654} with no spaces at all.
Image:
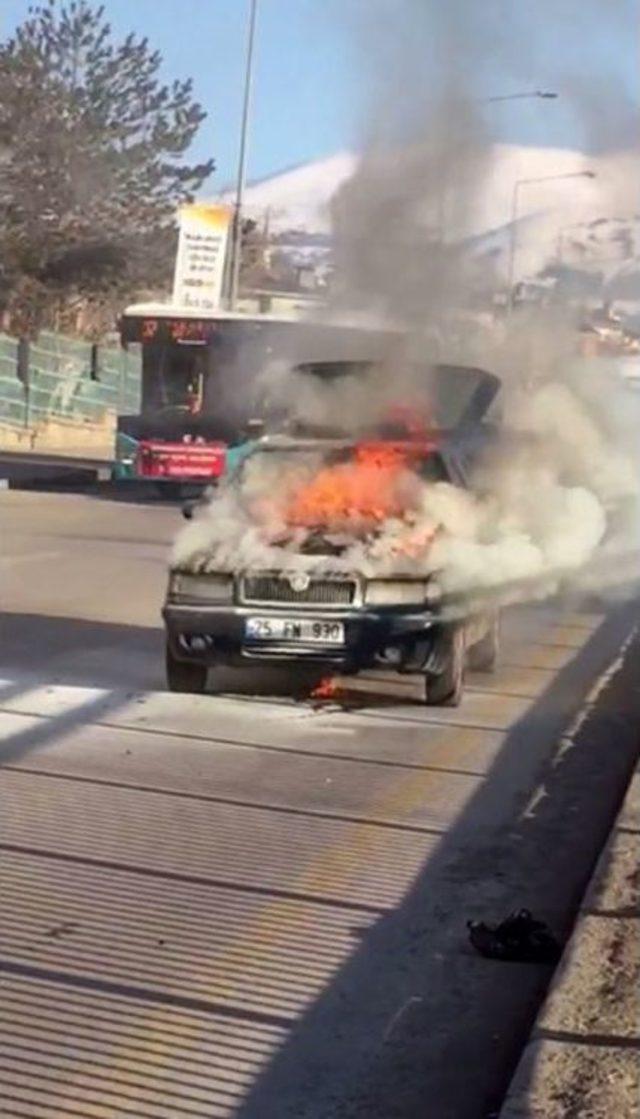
{"x":307,"y":83}
{"x":302,"y":73}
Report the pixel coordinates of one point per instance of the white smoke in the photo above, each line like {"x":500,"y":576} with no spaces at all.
{"x":559,"y":488}
{"x":526,"y":525}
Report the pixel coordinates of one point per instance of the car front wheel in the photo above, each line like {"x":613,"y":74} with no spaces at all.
{"x":185,"y":676}
{"x":445,"y":688}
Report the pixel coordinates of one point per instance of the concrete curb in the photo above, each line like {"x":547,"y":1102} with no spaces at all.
{"x":32,"y":472}
{"x":582,"y":1057}
{"x":49,"y":478}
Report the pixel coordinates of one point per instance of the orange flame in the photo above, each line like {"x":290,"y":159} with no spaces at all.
{"x":327,"y":688}
{"x":368,"y":490}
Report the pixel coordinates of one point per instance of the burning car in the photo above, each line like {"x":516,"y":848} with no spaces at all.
{"x":318,"y":551}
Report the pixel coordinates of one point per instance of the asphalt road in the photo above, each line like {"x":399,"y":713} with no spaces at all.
{"x":242,"y":905}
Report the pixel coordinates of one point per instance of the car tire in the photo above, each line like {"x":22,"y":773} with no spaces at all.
{"x":483,"y":656}
{"x":185,"y":676}
{"x":445,"y":688}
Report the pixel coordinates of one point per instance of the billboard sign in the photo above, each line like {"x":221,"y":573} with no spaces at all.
{"x":200,"y":263}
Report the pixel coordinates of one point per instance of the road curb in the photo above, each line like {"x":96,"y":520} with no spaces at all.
{"x":582,"y":1055}
{"x":30,"y":472}
{"x":52,"y":480}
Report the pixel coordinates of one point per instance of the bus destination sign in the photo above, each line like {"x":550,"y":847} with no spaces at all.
{"x":187,"y":331}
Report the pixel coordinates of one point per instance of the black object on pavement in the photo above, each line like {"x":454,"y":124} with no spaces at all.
{"x":521,"y":938}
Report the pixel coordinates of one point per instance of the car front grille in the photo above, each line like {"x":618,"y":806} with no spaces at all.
{"x":278,"y":588}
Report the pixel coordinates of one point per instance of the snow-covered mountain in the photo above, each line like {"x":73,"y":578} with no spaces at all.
{"x":553,"y":215}
{"x":299,"y":197}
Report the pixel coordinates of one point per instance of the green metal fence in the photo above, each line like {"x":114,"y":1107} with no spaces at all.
{"x":61,"y":382}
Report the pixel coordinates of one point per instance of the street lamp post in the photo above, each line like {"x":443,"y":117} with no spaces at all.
{"x":534,"y":94}
{"x":236,"y":231}
{"x":513,"y":228}
{"x":541,"y":94}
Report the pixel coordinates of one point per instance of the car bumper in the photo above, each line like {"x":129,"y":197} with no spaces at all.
{"x":407,"y":640}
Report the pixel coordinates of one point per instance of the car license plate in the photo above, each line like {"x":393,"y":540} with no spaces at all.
{"x":308,"y":631}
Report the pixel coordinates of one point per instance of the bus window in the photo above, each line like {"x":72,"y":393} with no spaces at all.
{"x":173,"y":378}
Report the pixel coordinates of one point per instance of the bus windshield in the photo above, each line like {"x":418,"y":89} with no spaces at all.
{"x":173,"y":378}
{"x":203,"y":378}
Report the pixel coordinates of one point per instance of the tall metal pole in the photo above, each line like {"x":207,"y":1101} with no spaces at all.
{"x":513,"y":228}
{"x":441,"y":216}
{"x":236,"y":234}
{"x":540,"y":94}
{"x":513,"y":235}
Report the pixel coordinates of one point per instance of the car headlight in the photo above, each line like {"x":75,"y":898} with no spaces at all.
{"x":206,"y":588}
{"x":402,"y":592}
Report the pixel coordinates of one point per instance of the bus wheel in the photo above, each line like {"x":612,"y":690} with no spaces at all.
{"x":185,"y":676}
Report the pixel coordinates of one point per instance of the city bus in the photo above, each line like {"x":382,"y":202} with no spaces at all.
{"x":199,"y":375}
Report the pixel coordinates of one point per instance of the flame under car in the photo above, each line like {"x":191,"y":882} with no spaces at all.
{"x":319,"y":605}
